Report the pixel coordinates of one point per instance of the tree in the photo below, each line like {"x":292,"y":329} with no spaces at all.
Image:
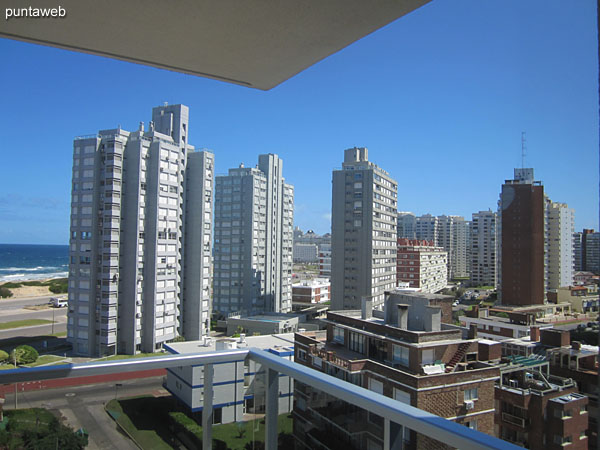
{"x":3,"y":356}
{"x":24,"y":354}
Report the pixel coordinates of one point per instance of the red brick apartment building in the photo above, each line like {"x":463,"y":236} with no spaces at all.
{"x":580,"y":363}
{"x":404,"y":353}
{"x":421,"y":264}
{"x":538,"y":410}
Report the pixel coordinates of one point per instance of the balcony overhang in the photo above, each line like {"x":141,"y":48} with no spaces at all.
{"x":257,"y":44}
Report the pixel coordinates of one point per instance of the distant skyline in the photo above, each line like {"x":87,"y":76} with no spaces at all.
{"x":439,"y":97}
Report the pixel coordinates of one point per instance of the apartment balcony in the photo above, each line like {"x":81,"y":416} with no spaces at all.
{"x":384,"y":415}
{"x":515,"y":420}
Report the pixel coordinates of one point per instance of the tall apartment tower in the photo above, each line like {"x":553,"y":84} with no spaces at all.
{"x":578,"y":251}
{"x":254,"y":216}
{"x":135,"y":211}
{"x":560,"y":256}
{"x":484,"y":247}
{"x":451,"y":233}
{"x":453,"y":236}
{"x":364,"y":244}
{"x":428,"y":228}
{"x":407,"y":225}
{"x":521,"y":209}
{"x":591,"y":251}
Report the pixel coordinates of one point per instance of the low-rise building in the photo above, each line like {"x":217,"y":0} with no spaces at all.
{"x":582,"y":278}
{"x":317,"y":290}
{"x":421,"y":264}
{"x":262,"y":324}
{"x":583,"y":299}
{"x":306,"y":253}
{"x":517,"y":325}
{"x":538,"y":410}
{"x":407,"y":352}
{"x":239,"y":387}
{"x":580,"y":363}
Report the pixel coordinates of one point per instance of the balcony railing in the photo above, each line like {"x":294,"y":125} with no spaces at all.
{"x":394,"y":413}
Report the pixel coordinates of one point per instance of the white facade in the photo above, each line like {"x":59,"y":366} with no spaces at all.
{"x":484,"y":249}
{"x":364,"y":242}
{"x":560,"y":251}
{"x":238,"y":387}
{"x":317,"y":290}
{"x":130,"y":224}
{"x":451,"y":233}
{"x":306,"y":253}
{"x":254,"y":210}
{"x":407,"y":225}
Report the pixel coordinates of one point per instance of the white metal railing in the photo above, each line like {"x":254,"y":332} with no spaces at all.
{"x":394,"y":413}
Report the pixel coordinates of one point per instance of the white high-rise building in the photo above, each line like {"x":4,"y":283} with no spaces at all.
{"x":407,"y":225}
{"x":428,"y":228}
{"x":451,"y":233}
{"x":254,"y":216}
{"x":560,"y":251}
{"x":363,"y":242}
{"x":140,"y":243}
{"x":484,"y":249}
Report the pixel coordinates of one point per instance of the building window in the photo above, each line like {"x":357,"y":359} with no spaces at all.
{"x":472,"y":424}
{"x":471,"y":394}
{"x":357,"y":342}
{"x":560,"y":440}
{"x":400,"y":355}
{"x":301,"y":355}
{"x":338,"y":335}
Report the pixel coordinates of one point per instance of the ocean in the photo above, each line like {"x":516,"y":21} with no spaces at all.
{"x":33,"y":262}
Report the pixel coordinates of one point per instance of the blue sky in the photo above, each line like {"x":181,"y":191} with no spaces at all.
{"x":439,"y":97}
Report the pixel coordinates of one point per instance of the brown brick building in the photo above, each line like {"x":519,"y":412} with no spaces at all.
{"x":538,"y":410}
{"x":404,"y":353}
{"x":522,"y":240}
{"x":580,"y":363}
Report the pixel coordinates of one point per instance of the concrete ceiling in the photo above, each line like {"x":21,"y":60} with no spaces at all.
{"x":255,"y":43}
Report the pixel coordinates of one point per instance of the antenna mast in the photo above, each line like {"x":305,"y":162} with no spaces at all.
{"x":523,"y":140}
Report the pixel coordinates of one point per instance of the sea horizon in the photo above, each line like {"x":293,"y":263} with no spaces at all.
{"x":22,"y":262}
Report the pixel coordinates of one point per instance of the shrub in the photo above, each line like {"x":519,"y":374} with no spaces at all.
{"x":5,"y":292}
{"x":32,"y":283}
{"x":24,"y":354}
{"x":59,"y":286}
{"x":11,"y":285}
{"x":3,"y":356}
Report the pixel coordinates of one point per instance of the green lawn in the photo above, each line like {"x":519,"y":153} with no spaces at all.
{"x":138,"y":355}
{"x":23,"y":323}
{"x":45,"y":359}
{"x":237,"y":435}
{"x":149,"y":420}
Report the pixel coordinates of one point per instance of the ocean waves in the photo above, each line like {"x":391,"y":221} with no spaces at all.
{"x":33,"y":262}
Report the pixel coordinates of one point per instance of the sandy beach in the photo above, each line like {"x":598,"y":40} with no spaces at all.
{"x":32,"y":291}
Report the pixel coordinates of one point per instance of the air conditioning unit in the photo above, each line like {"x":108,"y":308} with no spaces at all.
{"x":469,"y":404}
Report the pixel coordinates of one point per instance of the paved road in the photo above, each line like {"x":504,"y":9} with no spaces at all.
{"x":83,"y":406}
{"x":7,"y":304}
{"x":11,"y":310}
